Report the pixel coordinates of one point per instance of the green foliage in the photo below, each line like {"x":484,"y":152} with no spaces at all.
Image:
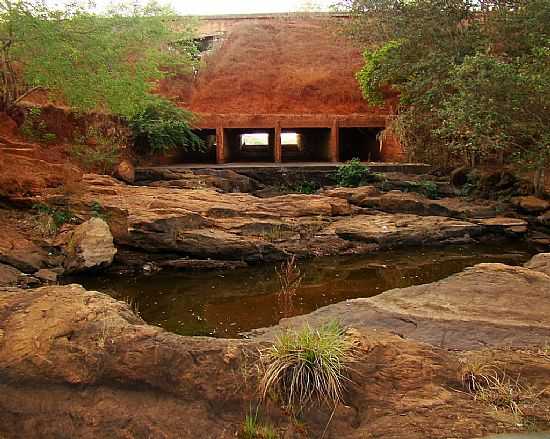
{"x":161,"y":127}
{"x":98,"y":211}
{"x":50,"y":220}
{"x":352,"y":173}
{"x":94,"y":62}
{"x":253,"y":429}
{"x":302,"y":187}
{"x":35,"y":128}
{"x":373,"y":75}
{"x":425,"y":187}
{"x":307,"y":367}
{"x":473,"y":78}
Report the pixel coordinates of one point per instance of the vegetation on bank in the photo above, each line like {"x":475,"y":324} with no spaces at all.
{"x":353,"y":173}
{"x":109,"y":62}
{"x":473,"y":78}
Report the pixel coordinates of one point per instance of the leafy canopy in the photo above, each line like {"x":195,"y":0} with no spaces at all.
{"x":473,"y":77}
{"x":93,"y":62}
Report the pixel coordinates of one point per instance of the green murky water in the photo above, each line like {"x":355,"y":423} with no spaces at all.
{"x":225,"y":303}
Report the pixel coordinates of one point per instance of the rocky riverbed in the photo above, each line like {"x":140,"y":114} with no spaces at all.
{"x":77,"y":363}
{"x":218,"y":219}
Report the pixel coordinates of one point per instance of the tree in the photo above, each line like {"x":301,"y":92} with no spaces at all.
{"x":104,"y":62}
{"x":473,"y":77}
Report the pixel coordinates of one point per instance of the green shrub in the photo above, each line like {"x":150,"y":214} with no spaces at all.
{"x":425,"y":187}
{"x":162,"y":127}
{"x":306,"y":367}
{"x":352,"y":174}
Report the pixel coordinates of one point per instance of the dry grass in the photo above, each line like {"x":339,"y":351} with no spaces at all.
{"x":307,"y":367}
{"x":290,"y":279}
{"x":298,"y":65}
{"x":482,"y":377}
{"x":254,"y":429}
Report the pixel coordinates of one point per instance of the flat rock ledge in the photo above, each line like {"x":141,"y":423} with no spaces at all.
{"x":206,"y":224}
{"x":77,"y":363}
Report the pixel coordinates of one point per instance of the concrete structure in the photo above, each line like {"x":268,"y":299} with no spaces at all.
{"x":322,"y":138}
{"x":322,"y":135}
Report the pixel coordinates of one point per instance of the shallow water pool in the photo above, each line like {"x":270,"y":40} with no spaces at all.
{"x":226,"y":303}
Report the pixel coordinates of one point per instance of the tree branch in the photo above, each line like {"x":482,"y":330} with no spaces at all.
{"x":28,"y":92}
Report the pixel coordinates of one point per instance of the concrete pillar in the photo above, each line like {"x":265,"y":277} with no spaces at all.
{"x":335,"y":141}
{"x":278,"y":150}
{"x":220,"y":145}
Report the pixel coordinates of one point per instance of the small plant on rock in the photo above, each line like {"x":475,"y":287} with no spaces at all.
{"x":290,"y":278}
{"x":50,"y":220}
{"x":253,"y":429}
{"x":307,"y":367}
{"x":488,"y":384}
{"x":98,"y":211}
{"x":306,"y":187}
{"x":425,"y":187}
{"x":352,"y":174}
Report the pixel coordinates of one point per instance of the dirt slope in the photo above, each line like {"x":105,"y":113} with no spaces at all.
{"x":292,"y":65}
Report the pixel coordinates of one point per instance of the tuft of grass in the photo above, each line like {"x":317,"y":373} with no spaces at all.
{"x":253,"y":429}
{"x":488,"y":384}
{"x":134,"y":305}
{"x":474,"y":373}
{"x":307,"y":367}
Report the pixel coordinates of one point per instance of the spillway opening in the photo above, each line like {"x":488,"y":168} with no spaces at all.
{"x":305,"y":144}
{"x":361,"y":143}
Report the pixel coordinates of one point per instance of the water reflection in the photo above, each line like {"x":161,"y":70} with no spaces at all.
{"x":225,"y":303}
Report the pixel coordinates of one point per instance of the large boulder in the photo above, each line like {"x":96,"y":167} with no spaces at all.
{"x":204,"y":223}
{"x":540,"y":262}
{"x":90,"y":245}
{"x":409,"y":202}
{"x":10,"y":276}
{"x":126,"y":172}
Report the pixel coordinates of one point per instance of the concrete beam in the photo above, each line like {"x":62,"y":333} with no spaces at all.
{"x":260,"y":121}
